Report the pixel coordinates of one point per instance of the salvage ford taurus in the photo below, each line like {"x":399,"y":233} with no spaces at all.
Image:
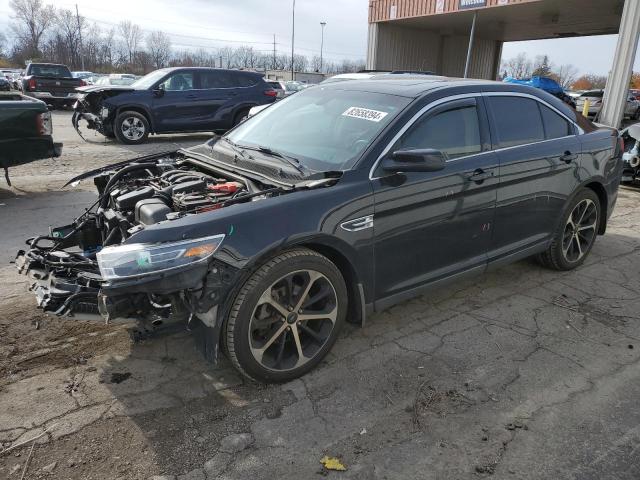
{"x":336,"y":202}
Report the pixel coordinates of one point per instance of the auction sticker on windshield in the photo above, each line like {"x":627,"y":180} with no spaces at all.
{"x":365,"y":114}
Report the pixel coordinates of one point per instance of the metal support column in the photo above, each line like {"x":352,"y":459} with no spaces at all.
{"x":617,"y":89}
{"x":471,"y":38}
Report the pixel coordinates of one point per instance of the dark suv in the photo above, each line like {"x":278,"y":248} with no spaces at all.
{"x":335,"y":202}
{"x":172,"y":100}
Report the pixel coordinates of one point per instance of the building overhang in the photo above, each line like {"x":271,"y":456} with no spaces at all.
{"x":517,"y":20}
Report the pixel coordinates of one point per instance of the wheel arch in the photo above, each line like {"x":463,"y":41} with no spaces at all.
{"x":355,"y":290}
{"x":138,"y":109}
{"x":601,"y":192}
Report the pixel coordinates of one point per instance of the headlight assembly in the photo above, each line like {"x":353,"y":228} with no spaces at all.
{"x":138,"y":259}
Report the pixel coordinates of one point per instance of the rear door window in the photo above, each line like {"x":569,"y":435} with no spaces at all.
{"x":517,"y":121}
{"x":454,"y":132}
{"x":555,"y":126}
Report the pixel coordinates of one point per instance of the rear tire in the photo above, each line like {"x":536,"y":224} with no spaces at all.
{"x":286,"y":317}
{"x":576,"y":234}
{"x":131,"y":128}
{"x":240,"y":117}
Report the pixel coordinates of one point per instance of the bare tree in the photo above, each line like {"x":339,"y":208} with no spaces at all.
{"x":3,"y":45}
{"x":566,"y":75}
{"x":131,"y":37}
{"x":159,"y":48}
{"x":316,"y":63}
{"x":518,"y":67}
{"x":31,"y":19}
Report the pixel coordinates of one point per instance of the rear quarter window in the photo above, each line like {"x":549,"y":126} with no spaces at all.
{"x":517,"y":121}
{"x":555,"y":126}
{"x":246,"y":80}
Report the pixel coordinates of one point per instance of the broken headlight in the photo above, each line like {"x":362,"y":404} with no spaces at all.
{"x":139,"y":259}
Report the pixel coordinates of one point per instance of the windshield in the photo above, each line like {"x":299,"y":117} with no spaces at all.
{"x":323,"y":128}
{"x":149,"y":79}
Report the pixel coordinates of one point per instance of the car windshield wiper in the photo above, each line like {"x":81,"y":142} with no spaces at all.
{"x":234,"y":146}
{"x":292,"y":161}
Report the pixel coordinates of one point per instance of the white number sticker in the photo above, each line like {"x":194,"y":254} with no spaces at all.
{"x":365,"y":114}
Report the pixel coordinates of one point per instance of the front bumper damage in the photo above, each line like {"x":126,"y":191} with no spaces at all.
{"x":66,"y":283}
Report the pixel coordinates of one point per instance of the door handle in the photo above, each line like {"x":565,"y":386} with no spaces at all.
{"x":192,"y":95}
{"x":479,"y":175}
{"x":568,"y":157}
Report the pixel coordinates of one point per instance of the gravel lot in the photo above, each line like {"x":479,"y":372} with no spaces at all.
{"x":522,"y":373}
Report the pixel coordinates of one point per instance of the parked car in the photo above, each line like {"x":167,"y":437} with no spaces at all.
{"x":83,"y":75}
{"x":117,"y":79}
{"x":25,"y":131}
{"x":328,"y":205}
{"x":631,"y":110}
{"x":293,"y":87}
{"x":5,"y":85}
{"x":51,"y":83}
{"x":13,"y":77}
{"x":172,"y":100}
{"x":277,"y":86}
{"x":547,"y":84}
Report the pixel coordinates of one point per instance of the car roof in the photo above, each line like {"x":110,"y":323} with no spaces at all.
{"x":410,"y":85}
{"x":207,"y":69}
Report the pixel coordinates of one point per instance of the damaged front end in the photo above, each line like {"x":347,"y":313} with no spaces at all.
{"x":92,"y":107}
{"x":96,"y":268}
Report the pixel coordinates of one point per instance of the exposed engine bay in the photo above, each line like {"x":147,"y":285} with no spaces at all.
{"x":631,"y":154}
{"x":74,"y":267}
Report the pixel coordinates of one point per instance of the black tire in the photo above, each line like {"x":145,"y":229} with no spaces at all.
{"x":576,"y":234}
{"x":241,"y":116}
{"x":244,"y":331}
{"x":133,"y":122}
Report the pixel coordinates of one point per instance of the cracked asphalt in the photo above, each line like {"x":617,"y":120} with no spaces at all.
{"x":522,"y":373}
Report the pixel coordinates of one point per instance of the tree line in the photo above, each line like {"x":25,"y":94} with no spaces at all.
{"x":42,"y":32}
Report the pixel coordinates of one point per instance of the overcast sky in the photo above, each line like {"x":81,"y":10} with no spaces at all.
{"x":215,"y":23}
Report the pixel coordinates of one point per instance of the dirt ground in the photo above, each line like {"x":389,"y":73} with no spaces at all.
{"x":522,"y":373}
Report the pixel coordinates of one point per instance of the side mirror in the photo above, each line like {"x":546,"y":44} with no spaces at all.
{"x":158,"y":91}
{"x":421,"y":160}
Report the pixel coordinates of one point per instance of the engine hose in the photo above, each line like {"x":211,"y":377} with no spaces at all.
{"x":634,"y":162}
{"x":116,"y":176}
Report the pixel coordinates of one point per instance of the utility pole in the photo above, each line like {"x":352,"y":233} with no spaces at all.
{"x":273,"y":65}
{"x":293,"y":39}
{"x":80,"y":36}
{"x":322,"y":25}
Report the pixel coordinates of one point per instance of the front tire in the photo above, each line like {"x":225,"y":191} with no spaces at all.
{"x":286,"y":317}
{"x":131,"y":128}
{"x":575,"y":236}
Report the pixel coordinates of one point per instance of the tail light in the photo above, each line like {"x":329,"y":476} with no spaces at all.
{"x":32,"y":84}
{"x":83,"y":83}
{"x":43,"y":123}
{"x":271,"y":93}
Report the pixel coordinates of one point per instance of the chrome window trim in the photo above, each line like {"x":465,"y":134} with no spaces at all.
{"x":441,"y":101}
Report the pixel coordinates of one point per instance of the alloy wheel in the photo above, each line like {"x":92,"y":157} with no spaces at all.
{"x":580,"y":231}
{"x":132,"y":128}
{"x":292,"y":320}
